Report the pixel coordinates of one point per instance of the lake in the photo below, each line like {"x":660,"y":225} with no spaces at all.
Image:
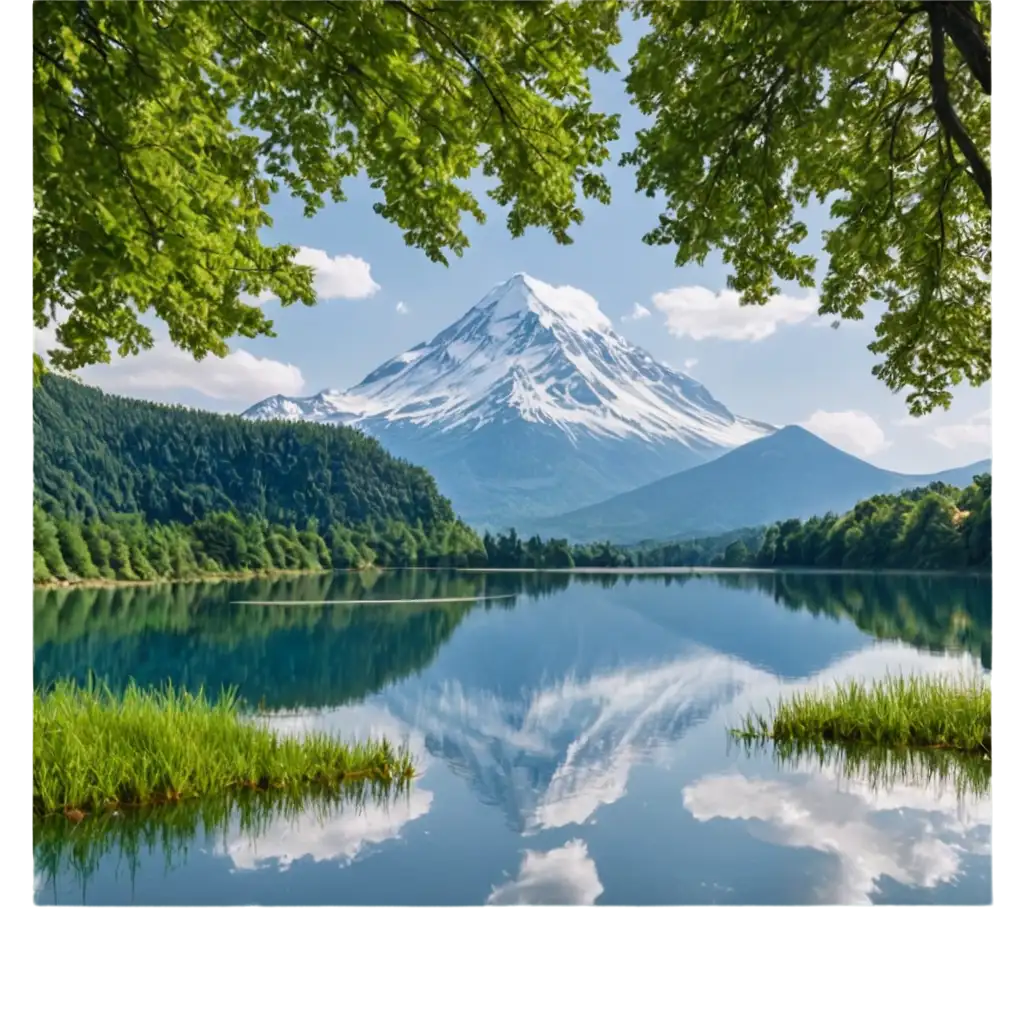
{"x":572,"y":732}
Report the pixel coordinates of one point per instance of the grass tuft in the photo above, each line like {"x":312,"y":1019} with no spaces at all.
{"x":94,"y":750}
{"x":915,"y":711}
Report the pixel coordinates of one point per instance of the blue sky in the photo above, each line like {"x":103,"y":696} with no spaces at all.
{"x":796,"y":370}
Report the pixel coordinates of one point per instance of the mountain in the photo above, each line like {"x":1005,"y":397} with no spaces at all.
{"x":791,"y":473}
{"x":97,"y":454}
{"x":529,"y":405}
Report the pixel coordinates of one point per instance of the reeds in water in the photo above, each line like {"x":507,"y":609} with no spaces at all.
{"x":95,"y":750}
{"x":898,"y":711}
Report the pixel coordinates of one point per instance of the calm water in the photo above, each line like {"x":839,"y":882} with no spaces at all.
{"x":572,"y":734}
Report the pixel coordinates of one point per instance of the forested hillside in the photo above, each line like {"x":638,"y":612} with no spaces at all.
{"x":934,"y":527}
{"x":127,"y":490}
{"x":97,"y":455}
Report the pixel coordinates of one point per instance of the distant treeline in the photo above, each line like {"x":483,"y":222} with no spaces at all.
{"x":933,"y":527}
{"x":936,"y":527}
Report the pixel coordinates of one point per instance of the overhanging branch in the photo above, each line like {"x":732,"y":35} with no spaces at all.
{"x":969,"y":38}
{"x":944,"y":108}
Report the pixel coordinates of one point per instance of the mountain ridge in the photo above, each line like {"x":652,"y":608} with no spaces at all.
{"x":789,"y":474}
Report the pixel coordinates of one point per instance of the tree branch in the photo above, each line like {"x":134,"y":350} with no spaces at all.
{"x":968,"y":37}
{"x":944,"y":108}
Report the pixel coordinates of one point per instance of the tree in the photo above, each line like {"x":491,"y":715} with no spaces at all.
{"x":882,"y":108}
{"x":736,"y":555}
{"x":161,"y":130}
{"x":46,"y":544}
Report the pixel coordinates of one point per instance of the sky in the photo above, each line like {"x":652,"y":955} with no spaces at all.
{"x":781,"y":364}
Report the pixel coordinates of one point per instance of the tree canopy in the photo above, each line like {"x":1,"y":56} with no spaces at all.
{"x":97,"y":455}
{"x":161,"y":130}
{"x":881,"y":108}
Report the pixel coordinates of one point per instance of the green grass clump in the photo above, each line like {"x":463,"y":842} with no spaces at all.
{"x":950,"y":714}
{"x":95,"y":750}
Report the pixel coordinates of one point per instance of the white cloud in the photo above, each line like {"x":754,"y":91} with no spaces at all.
{"x":401,"y":307}
{"x":44,"y":340}
{"x":341,"y":837}
{"x":975,"y":431}
{"x":637,"y":313}
{"x":239,"y":376}
{"x":566,"y":875}
{"x":579,"y":308}
{"x":335,"y":277}
{"x":853,"y":431}
{"x":689,"y":364}
{"x":699,"y":313}
{"x":920,"y":845}
{"x":338,"y":277}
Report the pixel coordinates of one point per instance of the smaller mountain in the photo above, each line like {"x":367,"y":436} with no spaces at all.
{"x":789,"y":474}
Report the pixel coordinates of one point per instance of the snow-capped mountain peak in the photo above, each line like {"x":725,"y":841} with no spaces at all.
{"x":531,"y":399}
{"x":522,"y":294}
{"x":540,"y":353}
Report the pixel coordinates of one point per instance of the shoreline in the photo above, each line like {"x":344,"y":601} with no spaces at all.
{"x":645,"y":570}
{"x":225,"y":577}
{"x":681,"y":570}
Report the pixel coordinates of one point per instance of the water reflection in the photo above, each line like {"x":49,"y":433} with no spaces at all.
{"x":250,"y":828}
{"x":551,"y":752}
{"x":908,"y":818}
{"x":288,"y":656}
{"x":556,"y":728}
{"x":566,"y":875}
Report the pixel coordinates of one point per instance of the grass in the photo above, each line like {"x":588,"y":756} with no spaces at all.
{"x":94,"y":750}
{"x":897,"y":712}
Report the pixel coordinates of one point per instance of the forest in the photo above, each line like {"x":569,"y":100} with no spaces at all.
{"x":933,"y":528}
{"x":131,"y":491}
{"x":98,"y":454}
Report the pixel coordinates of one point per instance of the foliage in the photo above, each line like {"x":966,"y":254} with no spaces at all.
{"x":934,"y":527}
{"x":130,"y":549}
{"x":162,"y":129}
{"x":97,"y":454}
{"x":896,"y":712}
{"x":92,"y":749}
{"x":928,"y":528}
{"x":882,"y":108}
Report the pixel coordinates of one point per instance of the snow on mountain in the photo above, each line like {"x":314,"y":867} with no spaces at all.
{"x":529,"y":364}
{"x":549,"y":355}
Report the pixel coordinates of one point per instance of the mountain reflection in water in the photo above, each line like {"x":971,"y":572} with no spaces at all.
{"x":572,"y":736}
